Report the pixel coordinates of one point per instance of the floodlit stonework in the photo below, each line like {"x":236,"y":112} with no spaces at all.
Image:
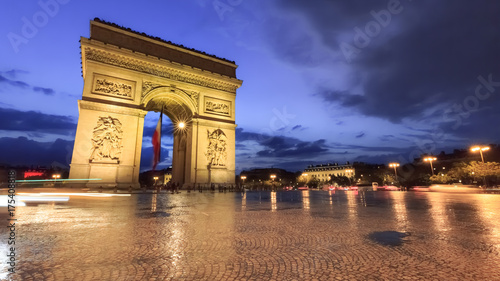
{"x":126,"y":75}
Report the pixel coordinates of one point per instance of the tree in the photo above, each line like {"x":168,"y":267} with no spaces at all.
{"x":340,"y":180}
{"x":442,"y":178}
{"x":313,"y":182}
{"x":488,"y":173}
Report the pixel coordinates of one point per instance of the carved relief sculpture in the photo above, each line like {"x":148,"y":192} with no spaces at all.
{"x":115,"y":87}
{"x":216,"y":150}
{"x":217,"y":106}
{"x":107,"y":140}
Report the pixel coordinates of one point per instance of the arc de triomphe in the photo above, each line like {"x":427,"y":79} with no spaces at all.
{"x":127,"y":74}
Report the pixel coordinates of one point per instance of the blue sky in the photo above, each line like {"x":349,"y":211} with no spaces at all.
{"x":324,"y":81}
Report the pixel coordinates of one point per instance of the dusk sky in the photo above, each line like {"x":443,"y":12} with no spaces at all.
{"x":323,"y":81}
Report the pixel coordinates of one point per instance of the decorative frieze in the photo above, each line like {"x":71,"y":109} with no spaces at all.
{"x":217,"y":106}
{"x":114,"y":87}
{"x":161,"y":71}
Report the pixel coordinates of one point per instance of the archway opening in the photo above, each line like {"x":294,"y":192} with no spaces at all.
{"x":175,"y":140}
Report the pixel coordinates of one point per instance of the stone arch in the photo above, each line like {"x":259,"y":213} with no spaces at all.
{"x":119,"y":67}
{"x":181,"y":100}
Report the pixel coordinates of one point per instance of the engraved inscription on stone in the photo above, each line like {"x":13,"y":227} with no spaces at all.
{"x":114,"y":87}
{"x":107,"y":140}
{"x":216,"y":106}
{"x":216,"y":150}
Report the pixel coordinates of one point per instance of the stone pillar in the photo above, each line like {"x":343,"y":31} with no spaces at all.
{"x":107,"y":145}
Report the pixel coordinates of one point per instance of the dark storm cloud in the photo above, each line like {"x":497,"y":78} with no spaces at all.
{"x":480,"y":126}
{"x":307,"y":149}
{"x":343,"y":98}
{"x":431,"y":53}
{"x":31,"y":121}
{"x":389,"y":138}
{"x":23,"y":151}
{"x":282,"y":146}
{"x":45,"y":91}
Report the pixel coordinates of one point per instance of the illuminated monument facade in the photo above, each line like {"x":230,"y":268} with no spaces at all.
{"x":127,"y":74}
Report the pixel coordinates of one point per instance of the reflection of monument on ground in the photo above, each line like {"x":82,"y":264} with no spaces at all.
{"x":399,"y":211}
{"x":306,"y":203}
{"x":274,"y":205}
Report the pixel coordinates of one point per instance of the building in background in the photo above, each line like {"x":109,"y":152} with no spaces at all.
{"x":325,"y":172}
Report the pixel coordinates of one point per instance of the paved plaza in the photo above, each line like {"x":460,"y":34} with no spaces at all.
{"x":296,"y":235}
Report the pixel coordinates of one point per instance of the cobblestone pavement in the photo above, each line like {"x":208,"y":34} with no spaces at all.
{"x":298,"y":235}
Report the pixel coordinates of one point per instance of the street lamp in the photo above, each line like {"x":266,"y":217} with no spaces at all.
{"x":394,"y":165}
{"x":55,"y":177}
{"x":430,"y":159}
{"x":272,"y":178}
{"x":480,"y":149}
{"x":155,"y":178}
{"x":349,"y":171}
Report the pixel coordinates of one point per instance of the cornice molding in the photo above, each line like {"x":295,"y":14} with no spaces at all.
{"x":97,"y":106}
{"x":163,"y":70}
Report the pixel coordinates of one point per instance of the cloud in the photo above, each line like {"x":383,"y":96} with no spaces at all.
{"x":297,"y":127}
{"x":430,"y":55}
{"x":32,"y":121}
{"x":15,"y":83}
{"x":300,"y":149}
{"x":360,"y":135}
{"x":13,"y":73}
{"x":45,"y":91}
{"x":343,"y":98}
{"x":8,"y":77}
{"x":23,"y":151}
{"x":282,"y":146}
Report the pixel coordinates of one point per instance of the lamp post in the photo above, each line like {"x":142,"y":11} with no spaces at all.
{"x":272,"y":178}
{"x":394,"y":165}
{"x":480,"y":149}
{"x":155,"y":178}
{"x":349,"y":178}
{"x":243,"y":178}
{"x":430,"y":159}
{"x":55,"y":177}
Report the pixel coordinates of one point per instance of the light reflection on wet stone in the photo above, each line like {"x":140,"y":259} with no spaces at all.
{"x":300,"y":235}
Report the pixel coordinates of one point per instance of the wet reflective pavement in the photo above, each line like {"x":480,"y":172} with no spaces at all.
{"x":296,"y":235}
